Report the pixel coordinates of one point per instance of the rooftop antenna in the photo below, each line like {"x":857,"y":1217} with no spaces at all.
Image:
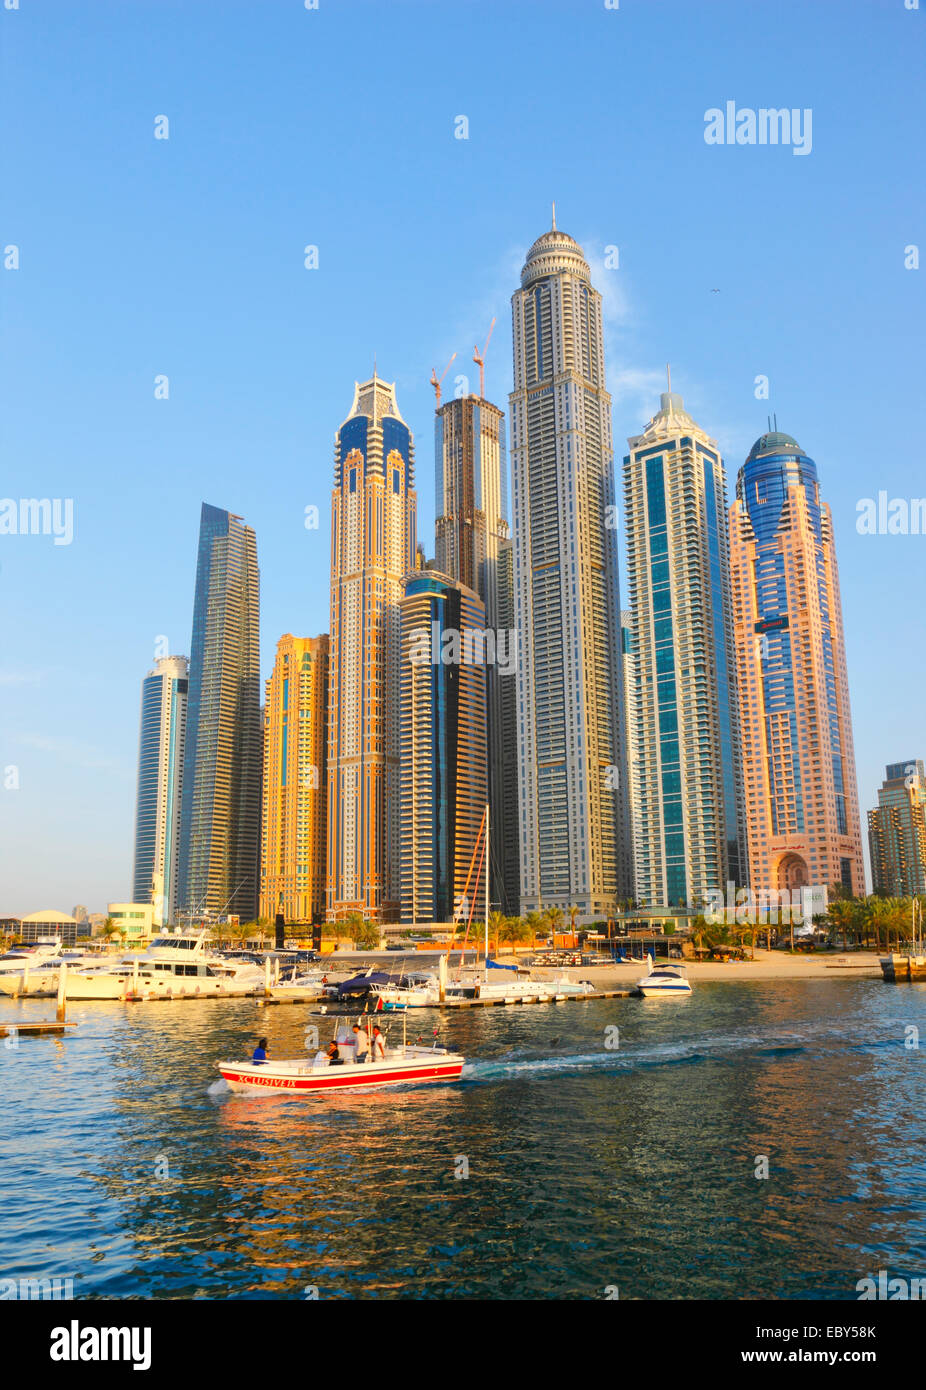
{"x":554,"y":217}
{"x":480,"y":360}
{"x":669,"y":377}
{"x":437,"y":384}
{"x":769,"y":419}
{"x":775,"y":418}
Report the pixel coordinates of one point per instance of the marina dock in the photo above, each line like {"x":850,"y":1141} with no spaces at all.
{"x":560,"y":999}
{"x":34,"y":1030}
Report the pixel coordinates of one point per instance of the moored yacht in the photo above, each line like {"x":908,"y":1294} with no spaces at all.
{"x":662,"y":981}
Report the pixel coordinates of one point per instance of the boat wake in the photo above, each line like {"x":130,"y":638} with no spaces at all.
{"x":695,"y":1051}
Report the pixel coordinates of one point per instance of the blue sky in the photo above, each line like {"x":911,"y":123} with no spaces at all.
{"x":335,"y":128}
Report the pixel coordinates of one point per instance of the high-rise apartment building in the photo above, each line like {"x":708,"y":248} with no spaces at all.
{"x":574,"y":825}
{"x":444,"y":786}
{"x":897,"y":831}
{"x":685,"y":742}
{"x":801,"y":802}
{"x":373,"y":548}
{"x":160,"y":779}
{"x":220,"y":830}
{"x":294,"y":835}
{"x":471,"y":529}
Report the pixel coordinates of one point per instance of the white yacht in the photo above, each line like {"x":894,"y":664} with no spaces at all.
{"x":16,"y":959}
{"x":662,"y":981}
{"x":38,"y":976}
{"x":175,"y":966}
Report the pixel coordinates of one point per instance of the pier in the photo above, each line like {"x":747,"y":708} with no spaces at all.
{"x":34,"y":1030}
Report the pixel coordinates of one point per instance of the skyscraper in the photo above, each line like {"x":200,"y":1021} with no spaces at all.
{"x":373,"y":548}
{"x":294,"y":833}
{"x":897,"y":831}
{"x":630,"y":721}
{"x":220,"y":832}
{"x":471,"y":532}
{"x":443,"y":746}
{"x":685,"y":737}
{"x":574,"y":831}
{"x":160,"y":776}
{"x":802,"y":818}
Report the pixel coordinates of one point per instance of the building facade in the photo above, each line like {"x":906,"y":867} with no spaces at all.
{"x":444,"y":784}
{"x":473,"y":547}
{"x":294,"y":828}
{"x":897,"y":831}
{"x":220,"y":823}
{"x":573,"y":829}
{"x":801,"y":801}
{"x":684,"y":735}
{"x":161,"y":744}
{"x":630,"y":720}
{"x":373,"y":548}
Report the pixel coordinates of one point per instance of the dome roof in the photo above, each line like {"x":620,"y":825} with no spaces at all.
{"x":49,"y":915}
{"x":774,"y":443}
{"x":551,"y":253}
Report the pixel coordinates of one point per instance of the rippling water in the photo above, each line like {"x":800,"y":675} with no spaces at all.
{"x":131,"y":1170}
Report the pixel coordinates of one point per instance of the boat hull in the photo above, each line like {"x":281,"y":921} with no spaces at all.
{"x":303,"y":1077}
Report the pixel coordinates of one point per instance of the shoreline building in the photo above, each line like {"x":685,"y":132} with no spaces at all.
{"x":220,"y":827}
{"x":161,"y":745}
{"x":630,"y":715}
{"x":897,"y":831}
{"x":444,"y":785}
{"x":685,"y":742}
{"x":800,"y":795}
{"x":373,"y":548}
{"x":473,"y":547}
{"x":574,"y":830}
{"x":294,"y":828}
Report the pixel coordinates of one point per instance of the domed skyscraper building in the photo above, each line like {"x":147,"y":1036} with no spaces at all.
{"x":801,"y":798}
{"x":573,"y":790}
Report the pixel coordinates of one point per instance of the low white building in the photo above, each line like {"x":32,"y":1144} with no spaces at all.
{"x":135,"y":919}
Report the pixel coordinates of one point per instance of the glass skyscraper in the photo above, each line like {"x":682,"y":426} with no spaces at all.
{"x":220,"y":834}
{"x":443,"y":747}
{"x":574,"y":828}
{"x":160,"y":778}
{"x":471,"y":529}
{"x":686,"y":754}
{"x":802,"y":817}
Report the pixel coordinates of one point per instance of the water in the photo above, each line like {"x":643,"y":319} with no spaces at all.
{"x":129,"y":1169}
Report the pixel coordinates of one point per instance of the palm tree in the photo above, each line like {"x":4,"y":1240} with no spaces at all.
{"x":351,"y":926}
{"x":496,"y":919}
{"x":534,"y":921}
{"x":554,"y":917}
{"x":367,"y":935}
{"x":573,"y":914}
{"x":109,"y":929}
{"x":514,"y":929}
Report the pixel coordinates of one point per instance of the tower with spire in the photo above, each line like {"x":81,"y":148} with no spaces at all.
{"x":574,"y":847}
{"x":688,"y":820}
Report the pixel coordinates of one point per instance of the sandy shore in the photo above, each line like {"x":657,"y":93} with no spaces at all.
{"x":768,"y":965}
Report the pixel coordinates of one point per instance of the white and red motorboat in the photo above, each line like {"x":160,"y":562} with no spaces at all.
{"x":401,"y":1065}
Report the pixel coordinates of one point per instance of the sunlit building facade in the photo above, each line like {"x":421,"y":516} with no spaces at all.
{"x":295,"y":786}
{"x":574,"y":831}
{"x":444,"y":784}
{"x":160,"y":778}
{"x":684,"y":737}
{"x":471,"y":533}
{"x":897,"y":831}
{"x":801,"y":800}
{"x":220,"y":830}
{"x":373,"y":548}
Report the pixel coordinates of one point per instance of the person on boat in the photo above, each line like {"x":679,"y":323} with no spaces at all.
{"x":362,"y":1052}
{"x":378,"y":1045}
{"x":259,"y":1055}
{"x":334,"y":1057}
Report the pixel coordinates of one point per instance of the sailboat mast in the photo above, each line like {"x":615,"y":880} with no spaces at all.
{"x":485,"y":890}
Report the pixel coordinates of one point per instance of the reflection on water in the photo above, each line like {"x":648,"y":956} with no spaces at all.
{"x":130,"y":1170}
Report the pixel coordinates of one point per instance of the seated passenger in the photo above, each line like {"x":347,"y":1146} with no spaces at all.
{"x":259,"y":1055}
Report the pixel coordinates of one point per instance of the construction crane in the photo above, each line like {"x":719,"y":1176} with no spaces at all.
{"x":480,"y":359}
{"x":437,"y":384}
